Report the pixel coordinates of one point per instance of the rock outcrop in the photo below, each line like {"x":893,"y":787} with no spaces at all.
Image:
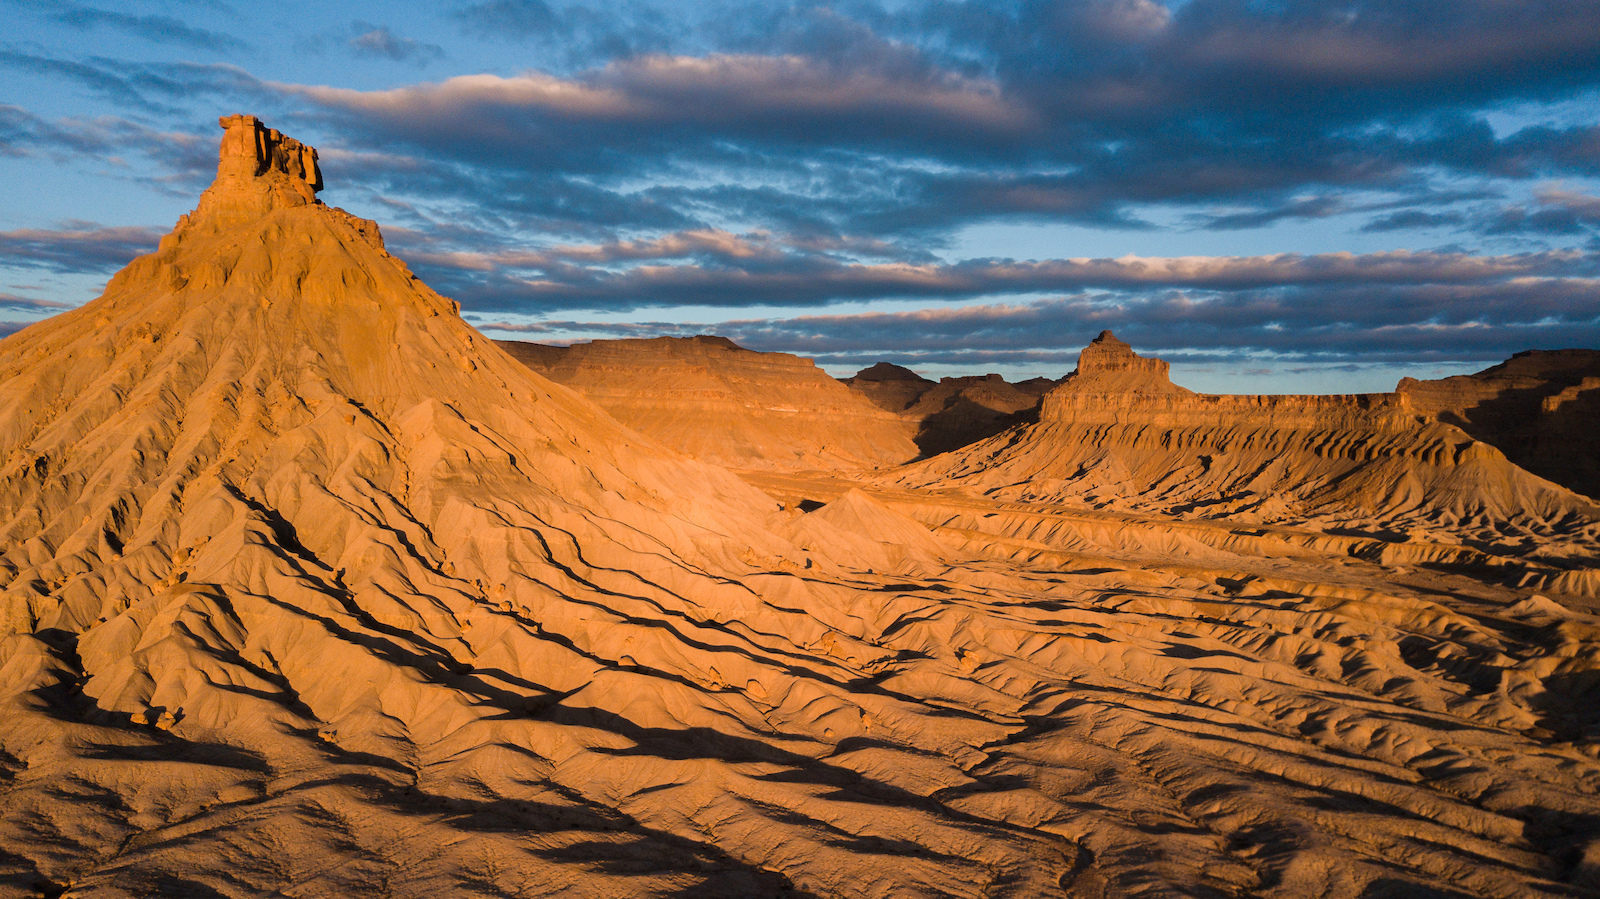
{"x":258,"y":170}
{"x":1540,"y":408}
{"x":892,"y":387}
{"x":1119,"y":434}
{"x":718,"y":402}
{"x":954,"y":411}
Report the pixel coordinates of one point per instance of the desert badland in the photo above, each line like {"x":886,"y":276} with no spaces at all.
{"x":312,"y":590}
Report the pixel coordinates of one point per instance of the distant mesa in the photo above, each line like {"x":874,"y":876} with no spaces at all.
{"x":719,"y":402}
{"x":1118,"y":434}
{"x":954,"y":411}
{"x":888,"y":371}
{"x":1109,"y":365}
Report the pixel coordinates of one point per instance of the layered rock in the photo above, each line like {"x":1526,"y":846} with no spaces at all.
{"x":892,"y":387}
{"x":1540,"y":408}
{"x":718,"y":402}
{"x":1118,"y":433}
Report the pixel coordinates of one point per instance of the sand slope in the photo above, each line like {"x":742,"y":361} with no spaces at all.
{"x":309,"y":590}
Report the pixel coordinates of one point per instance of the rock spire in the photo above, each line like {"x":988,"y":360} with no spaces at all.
{"x":259,"y":169}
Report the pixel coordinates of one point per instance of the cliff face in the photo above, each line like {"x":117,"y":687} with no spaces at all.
{"x":720,"y":403}
{"x":1117,"y":433}
{"x":1540,"y":408}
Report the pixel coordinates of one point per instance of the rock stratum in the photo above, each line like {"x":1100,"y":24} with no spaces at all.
{"x":1541,"y":408}
{"x":1118,"y":434}
{"x":311,"y":590}
{"x":721,"y":403}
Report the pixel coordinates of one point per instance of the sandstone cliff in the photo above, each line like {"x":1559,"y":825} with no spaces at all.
{"x":1540,"y":408}
{"x":713,"y":400}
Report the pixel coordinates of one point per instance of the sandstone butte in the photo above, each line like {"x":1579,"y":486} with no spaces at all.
{"x":310,"y":590}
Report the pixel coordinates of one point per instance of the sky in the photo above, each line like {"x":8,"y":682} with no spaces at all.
{"x":1306,"y":197}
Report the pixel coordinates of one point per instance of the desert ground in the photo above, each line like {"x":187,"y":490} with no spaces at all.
{"x":312,"y":590}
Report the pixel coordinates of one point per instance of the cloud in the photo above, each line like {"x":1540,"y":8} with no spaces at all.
{"x":730,"y":270}
{"x":1412,"y":219}
{"x":1309,"y":208}
{"x":511,"y":17}
{"x":13,"y":303}
{"x":1405,"y":324}
{"x":378,"y":41}
{"x":676,"y":100}
{"x":1555,"y":211}
{"x":77,"y":247}
{"x":158,"y":29}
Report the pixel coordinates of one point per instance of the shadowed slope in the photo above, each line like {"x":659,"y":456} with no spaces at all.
{"x":953,"y":412}
{"x":1540,"y":408}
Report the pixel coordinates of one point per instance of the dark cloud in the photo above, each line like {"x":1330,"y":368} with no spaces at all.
{"x":159,"y":29}
{"x":519,"y":18}
{"x":107,"y":84}
{"x":1402,"y":324}
{"x":1553,"y":212}
{"x":1310,"y":208}
{"x":579,"y":35}
{"x":949,"y":114}
{"x":723,"y":269}
{"x":1411,"y":219}
{"x":148,"y":88}
{"x":13,"y":303}
{"x":378,"y":41}
{"x":77,"y":247}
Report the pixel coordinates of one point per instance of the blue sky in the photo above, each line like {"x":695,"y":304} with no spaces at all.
{"x":1276,"y":196}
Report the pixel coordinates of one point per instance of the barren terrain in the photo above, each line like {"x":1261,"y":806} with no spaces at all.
{"x":311,"y":590}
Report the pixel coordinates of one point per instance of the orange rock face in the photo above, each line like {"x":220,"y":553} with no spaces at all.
{"x":1119,"y":434}
{"x":308,"y":589}
{"x":718,"y":402}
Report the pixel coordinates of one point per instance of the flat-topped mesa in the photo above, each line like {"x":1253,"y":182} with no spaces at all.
{"x":258,"y":170}
{"x":1112,"y":384}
